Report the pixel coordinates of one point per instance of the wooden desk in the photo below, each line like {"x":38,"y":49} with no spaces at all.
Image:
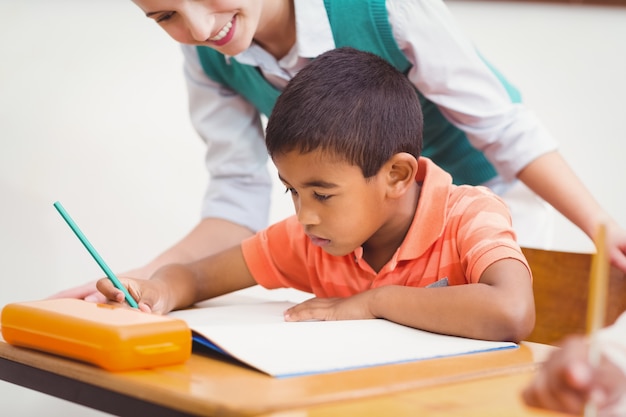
{"x":211,"y":386}
{"x":493,"y":396}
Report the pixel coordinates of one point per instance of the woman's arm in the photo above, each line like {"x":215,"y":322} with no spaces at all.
{"x":553,"y":180}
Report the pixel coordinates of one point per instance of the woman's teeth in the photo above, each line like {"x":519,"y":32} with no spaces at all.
{"x":222,"y":32}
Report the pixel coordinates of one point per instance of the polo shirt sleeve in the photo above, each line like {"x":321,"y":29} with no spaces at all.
{"x":277,"y":257}
{"x":485,"y":233}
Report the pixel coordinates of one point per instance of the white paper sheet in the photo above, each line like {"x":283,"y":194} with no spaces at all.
{"x":255,"y":333}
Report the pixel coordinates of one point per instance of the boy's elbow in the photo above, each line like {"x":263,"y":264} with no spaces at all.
{"x":517,"y":321}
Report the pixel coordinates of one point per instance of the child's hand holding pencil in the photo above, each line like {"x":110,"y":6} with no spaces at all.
{"x":579,"y":378}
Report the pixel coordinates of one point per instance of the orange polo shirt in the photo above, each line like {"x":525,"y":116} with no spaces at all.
{"x":457,"y":232}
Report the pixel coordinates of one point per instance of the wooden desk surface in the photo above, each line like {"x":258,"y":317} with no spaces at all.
{"x":495,"y":396}
{"x":206,"y":385}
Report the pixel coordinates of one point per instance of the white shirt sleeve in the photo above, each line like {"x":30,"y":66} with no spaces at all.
{"x":236,"y":157}
{"x":448,"y":70}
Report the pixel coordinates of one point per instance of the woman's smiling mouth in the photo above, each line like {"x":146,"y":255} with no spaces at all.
{"x":222,"y":35}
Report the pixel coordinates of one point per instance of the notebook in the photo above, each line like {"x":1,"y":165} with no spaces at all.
{"x":252,"y":330}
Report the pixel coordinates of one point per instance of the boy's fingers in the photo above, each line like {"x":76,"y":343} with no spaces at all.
{"x":134,"y":291}
{"x":107,"y":288}
{"x":301,"y":312}
{"x":145,"y":308}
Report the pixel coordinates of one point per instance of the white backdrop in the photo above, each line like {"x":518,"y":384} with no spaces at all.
{"x":93,"y":113}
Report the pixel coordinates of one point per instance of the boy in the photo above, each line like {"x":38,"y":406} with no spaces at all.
{"x":379,"y":232}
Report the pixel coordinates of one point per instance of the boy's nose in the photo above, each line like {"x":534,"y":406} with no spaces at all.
{"x":306,"y":216}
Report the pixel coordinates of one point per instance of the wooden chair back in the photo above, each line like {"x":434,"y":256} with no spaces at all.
{"x":561,"y":287}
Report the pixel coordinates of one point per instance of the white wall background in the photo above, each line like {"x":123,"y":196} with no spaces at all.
{"x":93,"y":113}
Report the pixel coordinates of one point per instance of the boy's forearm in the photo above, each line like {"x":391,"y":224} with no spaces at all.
{"x":208,"y":237}
{"x":474,"y":310}
{"x":178,"y":285}
{"x":187,"y":284}
{"x":221,"y":273}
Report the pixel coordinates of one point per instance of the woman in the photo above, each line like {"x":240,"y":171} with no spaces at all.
{"x":239,"y":54}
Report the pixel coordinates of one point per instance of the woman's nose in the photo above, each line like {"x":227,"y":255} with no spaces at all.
{"x":200,"y":25}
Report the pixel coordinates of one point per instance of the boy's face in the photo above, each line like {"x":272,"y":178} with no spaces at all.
{"x":225,"y":25}
{"x":338,"y":208}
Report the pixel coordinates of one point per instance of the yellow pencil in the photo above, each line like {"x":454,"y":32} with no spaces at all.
{"x":598,"y":283}
{"x":596,"y":304}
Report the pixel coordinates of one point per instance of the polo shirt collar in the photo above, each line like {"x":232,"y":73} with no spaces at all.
{"x":430,"y":216}
{"x":431,"y":213}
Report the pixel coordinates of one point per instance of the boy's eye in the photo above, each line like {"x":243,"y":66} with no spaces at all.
{"x":317,"y":196}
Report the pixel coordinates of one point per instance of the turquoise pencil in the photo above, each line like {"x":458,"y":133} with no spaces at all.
{"x":109,"y":273}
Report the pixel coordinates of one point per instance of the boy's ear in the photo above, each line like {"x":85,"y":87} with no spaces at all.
{"x":401,"y":172}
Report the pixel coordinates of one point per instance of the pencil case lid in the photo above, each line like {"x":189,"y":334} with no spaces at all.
{"x":115,"y":338}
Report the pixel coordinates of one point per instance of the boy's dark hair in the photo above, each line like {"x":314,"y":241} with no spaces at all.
{"x":352,"y":104}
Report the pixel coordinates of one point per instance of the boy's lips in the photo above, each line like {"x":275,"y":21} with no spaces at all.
{"x":318,"y":241}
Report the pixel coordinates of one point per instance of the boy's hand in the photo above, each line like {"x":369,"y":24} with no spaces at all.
{"x":567,"y":380}
{"x":329,"y":309}
{"x":151,"y":295}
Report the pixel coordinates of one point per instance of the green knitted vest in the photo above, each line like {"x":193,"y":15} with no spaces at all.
{"x":444,"y":143}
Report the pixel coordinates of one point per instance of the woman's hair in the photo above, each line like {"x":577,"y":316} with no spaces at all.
{"x":353,"y":105}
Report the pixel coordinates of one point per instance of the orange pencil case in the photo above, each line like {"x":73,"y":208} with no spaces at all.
{"x":111,"y":337}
